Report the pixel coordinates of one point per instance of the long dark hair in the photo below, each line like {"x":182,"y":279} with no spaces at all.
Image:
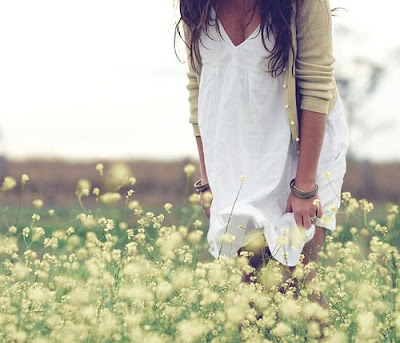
{"x":275,"y":16}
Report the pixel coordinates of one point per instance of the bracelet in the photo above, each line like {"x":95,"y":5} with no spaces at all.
{"x":301,"y":194}
{"x":199,"y":187}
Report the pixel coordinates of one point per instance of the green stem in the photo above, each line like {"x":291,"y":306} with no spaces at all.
{"x":19,"y":204}
{"x":186,"y":193}
{"x":230,"y":215}
{"x":5,"y":218}
{"x":81,"y":203}
{"x":126,"y":210}
{"x":193,"y":217}
{"x":195,"y":257}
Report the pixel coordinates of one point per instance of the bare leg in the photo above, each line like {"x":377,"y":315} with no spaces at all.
{"x":310,"y":251}
{"x":257,"y":261}
{"x":261,"y":256}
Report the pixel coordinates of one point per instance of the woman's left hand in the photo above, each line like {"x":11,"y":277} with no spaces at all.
{"x":304,"y":210}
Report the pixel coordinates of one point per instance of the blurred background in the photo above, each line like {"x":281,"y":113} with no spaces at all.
{"x":84,"y":82}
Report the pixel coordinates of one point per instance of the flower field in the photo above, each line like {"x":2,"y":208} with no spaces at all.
{"x":122,"y":273}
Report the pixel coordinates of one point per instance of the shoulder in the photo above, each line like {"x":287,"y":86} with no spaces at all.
{"x":304,"y":7}
{"x":313,"y":21}
{"x":311,"y":10}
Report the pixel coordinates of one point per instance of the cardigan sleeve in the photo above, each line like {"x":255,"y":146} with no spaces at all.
{"x":192,"y":86}
{"x":314,"y":60}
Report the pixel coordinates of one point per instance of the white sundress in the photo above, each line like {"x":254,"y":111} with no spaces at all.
{"x":244,"y":131}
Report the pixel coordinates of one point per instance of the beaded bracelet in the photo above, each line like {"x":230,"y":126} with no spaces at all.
{"x":301,"y":194}
{"x":199,"y":187}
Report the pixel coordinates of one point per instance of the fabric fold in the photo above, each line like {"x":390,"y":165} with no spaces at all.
{"x":284,"y":238}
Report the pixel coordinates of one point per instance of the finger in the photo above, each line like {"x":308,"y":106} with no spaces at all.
{"x":208,"y":213}
{"x":299,"y":220}
{"x":320,"y":213}
{"x":307,"y":222}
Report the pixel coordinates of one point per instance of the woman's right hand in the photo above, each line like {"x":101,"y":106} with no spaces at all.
{"x":205,"y":201}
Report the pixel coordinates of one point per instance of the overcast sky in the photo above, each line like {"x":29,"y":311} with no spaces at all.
{"x":93,"y":78}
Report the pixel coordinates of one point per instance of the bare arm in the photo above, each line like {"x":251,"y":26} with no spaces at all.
{"x":314,"y":78}
{"x":312,"y":128}
{"x":193,"y":87}
{"x":204,"y":178}
{"x":203,"y":172}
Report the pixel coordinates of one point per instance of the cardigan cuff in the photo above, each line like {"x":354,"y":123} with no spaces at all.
{"x":314,"y":104}
{"x":196,"y":130}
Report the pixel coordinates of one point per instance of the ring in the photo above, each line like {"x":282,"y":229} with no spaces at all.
{"x":313,"y":218}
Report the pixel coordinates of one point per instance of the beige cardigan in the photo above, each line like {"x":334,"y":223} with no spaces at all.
{"x":312,"y":73}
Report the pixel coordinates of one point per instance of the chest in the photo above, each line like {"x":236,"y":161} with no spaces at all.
{"x":239,"y":19}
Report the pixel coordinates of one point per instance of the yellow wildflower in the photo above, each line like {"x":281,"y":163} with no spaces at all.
{"x":353,"y":230}
{"x":207,"y":198}
{"x":366,"y":206}
{"x":326,"y":175}
{"x":194,"y":237}
{"x":118,"y":176}
{"x":346,"y":196}
{"x":281,"y":329}
{"x":228,"y":238}
{"x":110,"y":197}
{"x":281,"y":240}
{"x":197,"y":223}
{"x":313,"y":329}
{"x":12,"y":229}
{"x":194,"y":198}
{"x":189,"y":169}
{"x":38,"y":203}
{"x":8,"y":184}
{"x":24,"y":178}
{"x":100,"y":168}
{"x":168,"y":207}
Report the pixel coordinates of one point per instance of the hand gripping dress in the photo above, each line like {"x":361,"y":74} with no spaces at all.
{"x":244,"y":131}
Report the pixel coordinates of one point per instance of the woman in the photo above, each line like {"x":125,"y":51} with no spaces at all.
{"x":264,"y":104}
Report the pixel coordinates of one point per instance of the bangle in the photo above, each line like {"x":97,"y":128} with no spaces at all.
{"x":302,"y":194}
{"x":199,"y":187}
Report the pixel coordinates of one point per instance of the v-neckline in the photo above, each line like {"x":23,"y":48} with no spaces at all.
{"x":226,"y":34}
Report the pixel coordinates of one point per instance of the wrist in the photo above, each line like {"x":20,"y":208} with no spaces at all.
{"x":204,"y":179}
{"x":302,"y":192}
{"x":201,"y":186}
{"x":305,"y":183}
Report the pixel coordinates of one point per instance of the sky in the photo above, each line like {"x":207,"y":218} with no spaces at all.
{"x":92,"y":79}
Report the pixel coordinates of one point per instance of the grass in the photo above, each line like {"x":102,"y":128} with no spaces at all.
{"x":119,"y":272}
